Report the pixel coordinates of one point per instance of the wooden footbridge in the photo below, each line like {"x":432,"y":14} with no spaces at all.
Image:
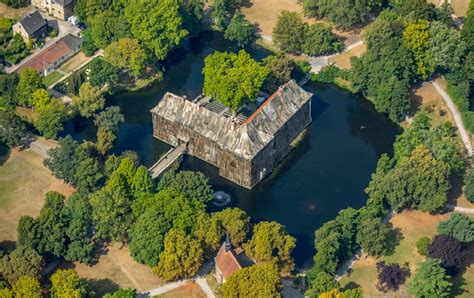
{"x":166,"y":161}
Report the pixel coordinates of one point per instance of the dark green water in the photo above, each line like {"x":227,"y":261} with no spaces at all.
{"x":327,"y":172}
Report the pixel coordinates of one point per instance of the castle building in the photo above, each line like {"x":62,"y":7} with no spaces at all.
{"x":244,"y":147}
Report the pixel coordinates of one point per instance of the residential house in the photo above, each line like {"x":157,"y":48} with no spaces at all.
{"x":33,"y":26}
{"x":229,"y":261}
{"x":61,"y":9}
{"x":51,"y":57}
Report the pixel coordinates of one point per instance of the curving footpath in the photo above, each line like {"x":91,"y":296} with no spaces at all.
{"x":457,"y":117}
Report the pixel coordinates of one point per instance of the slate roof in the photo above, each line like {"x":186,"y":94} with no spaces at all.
{"x":33,"y":22}
{"x":48,"y":56}
{"x":246,"y":139}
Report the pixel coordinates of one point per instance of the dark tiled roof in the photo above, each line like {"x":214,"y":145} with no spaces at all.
{"x":33,"y":22}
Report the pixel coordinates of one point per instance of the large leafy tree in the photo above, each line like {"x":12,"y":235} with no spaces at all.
{"x":89,"y":101}
{"x":28,"y":83}
{"x":469,"y":185}
{"x":233,"y":79}
{"x":240,"y":30}
{"x":23,"y":261}
{"x":467,"y":32}
{"x":27,"y":286}
{"x":8,"y":84}
{"x":418,"y":181}
{"x":430,"y":280}
{"x":270,"y":242}
{"x":67,"y":283}
{"x":460,"y":226}
{"x":51,"y":119}
{"x":193,"y":185}
{"x":319,"y":40}
{"x":345,"y":13}
{"x":64,"y":159}
{"x":102,"y":72}
{"x":109,"y":119}
{"x":260,"y":280}
{"x":12,"y":128}
{"x":373,"y":237}
{"x":147,"y":237}
{"x":288,"y":33}
{"x":157,"y":25}
{"x":414,"y":10}
{"x":321,"y":283}
{"x":127,"y":53}
{"x":181,"y":258}
{"x":235,"y":222}
{"x":390,"y":276}
{"x":446,"y":47}
{"x":280,"y":68}
{"x":449,"y":251}
{"x":107,"y":26}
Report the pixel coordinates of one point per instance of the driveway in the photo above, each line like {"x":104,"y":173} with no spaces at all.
{"x":64,"y":27}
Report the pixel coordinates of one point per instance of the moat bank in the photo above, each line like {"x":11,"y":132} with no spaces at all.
{"x":327,"y":172}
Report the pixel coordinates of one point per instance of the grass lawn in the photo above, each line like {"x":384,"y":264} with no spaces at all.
{"x":343,"y":60}
{"x":190,"y":290}
{"x":14,"y":13}
{"x":116,"y":269}
{"x":73,"y":62}
{"x":24,"y":182}
{"x":410,"y":226}
{"x":52,"y":78}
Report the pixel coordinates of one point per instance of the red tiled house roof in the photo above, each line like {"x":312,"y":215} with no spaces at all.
{"x":227,"y":262}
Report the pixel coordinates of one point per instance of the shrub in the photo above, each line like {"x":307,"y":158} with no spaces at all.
{"x":422,"y":245}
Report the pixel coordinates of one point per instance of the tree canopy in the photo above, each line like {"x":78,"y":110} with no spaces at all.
{"x":233,"y":79}
{"x":430,"y":280}
{"x":23,"y":261}
{"x":460,"y":226}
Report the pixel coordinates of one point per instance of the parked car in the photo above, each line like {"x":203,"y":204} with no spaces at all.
{"x":81,"y":25}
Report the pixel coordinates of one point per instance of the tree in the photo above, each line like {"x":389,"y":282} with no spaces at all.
{"x":40,"y":99}
{"x":460,"y":226}
{"x":102,"y":73}
{"x":111,"y":207}
{"x":147,"y":237}
{"x":64,"y":159}
{"x":422,"y":245}
{"x":193,"y":185}
{"x":27,"y":286}
{"x":445,"y":46}
{"x":280,"y":68}
{"x":12,"y":128}
{"x":373,"y":237}
{"x":322,"y":282}
{"x":467,"y":31}
{"x":122,"y":293}
{"x":260,"y":280}
{"x":345,"y":13}
{"x":8,"y":85}
{"x":334,"y":293}
{"x":141,"y":184}
{"x":449,"y":251}
{"x":27,"y":231}
{"x":418,"y":181}
{"x":105,"y":140}
{"x":288,"y":33}
{"x":66,"y":283}
{"x":107,"y":26}
{"x":109,"y":119}
{"x":390,"y":276}
{"x":80,"y":229}
{"x":220,"y":13}
{"x":88,"y":175}
{"x":88,"y":46}
{"x":240,"y":30}
{"x":235,"y":222}
{"x":469,"y":185}
{"x":430,"y":280}
{"x":50,"y":119}
{"x":126,"y":53}
{"x":319,"y":40}
{"x":417,"y":39}
{"x":23,"y":261}
{"x":271,"y":243}
{"x":181,"y":258}
{"x":52,"y":223}
{"x":28,"y":83}
{"x":233,"y":79}
{"x":158,"y":26}
{"x":89,"y":101}
{"x":414,"y":10}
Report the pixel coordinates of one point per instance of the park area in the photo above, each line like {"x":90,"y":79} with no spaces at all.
{"x":409,"y":226}
{"x":24,"y":182}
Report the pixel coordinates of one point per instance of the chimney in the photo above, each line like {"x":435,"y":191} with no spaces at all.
{"x":228,"y":244}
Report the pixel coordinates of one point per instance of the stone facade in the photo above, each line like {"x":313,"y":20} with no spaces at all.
{"x":61,"y":9}
{"x":243,"y":151}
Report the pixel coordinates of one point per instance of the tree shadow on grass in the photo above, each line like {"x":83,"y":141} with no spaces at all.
{"x":100,"y":287}
{"x":458,"y":280}
{"x":7,"y":245}
{"x":394,"y":237}
{"x":351,"y":285}
{"x":4,"y":153}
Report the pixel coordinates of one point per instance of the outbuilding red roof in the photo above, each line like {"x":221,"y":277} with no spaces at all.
{"x":227,"y":261}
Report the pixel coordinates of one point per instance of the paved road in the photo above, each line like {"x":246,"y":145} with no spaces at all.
{"x":457,"y":117}
{"x":64,"y":29}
